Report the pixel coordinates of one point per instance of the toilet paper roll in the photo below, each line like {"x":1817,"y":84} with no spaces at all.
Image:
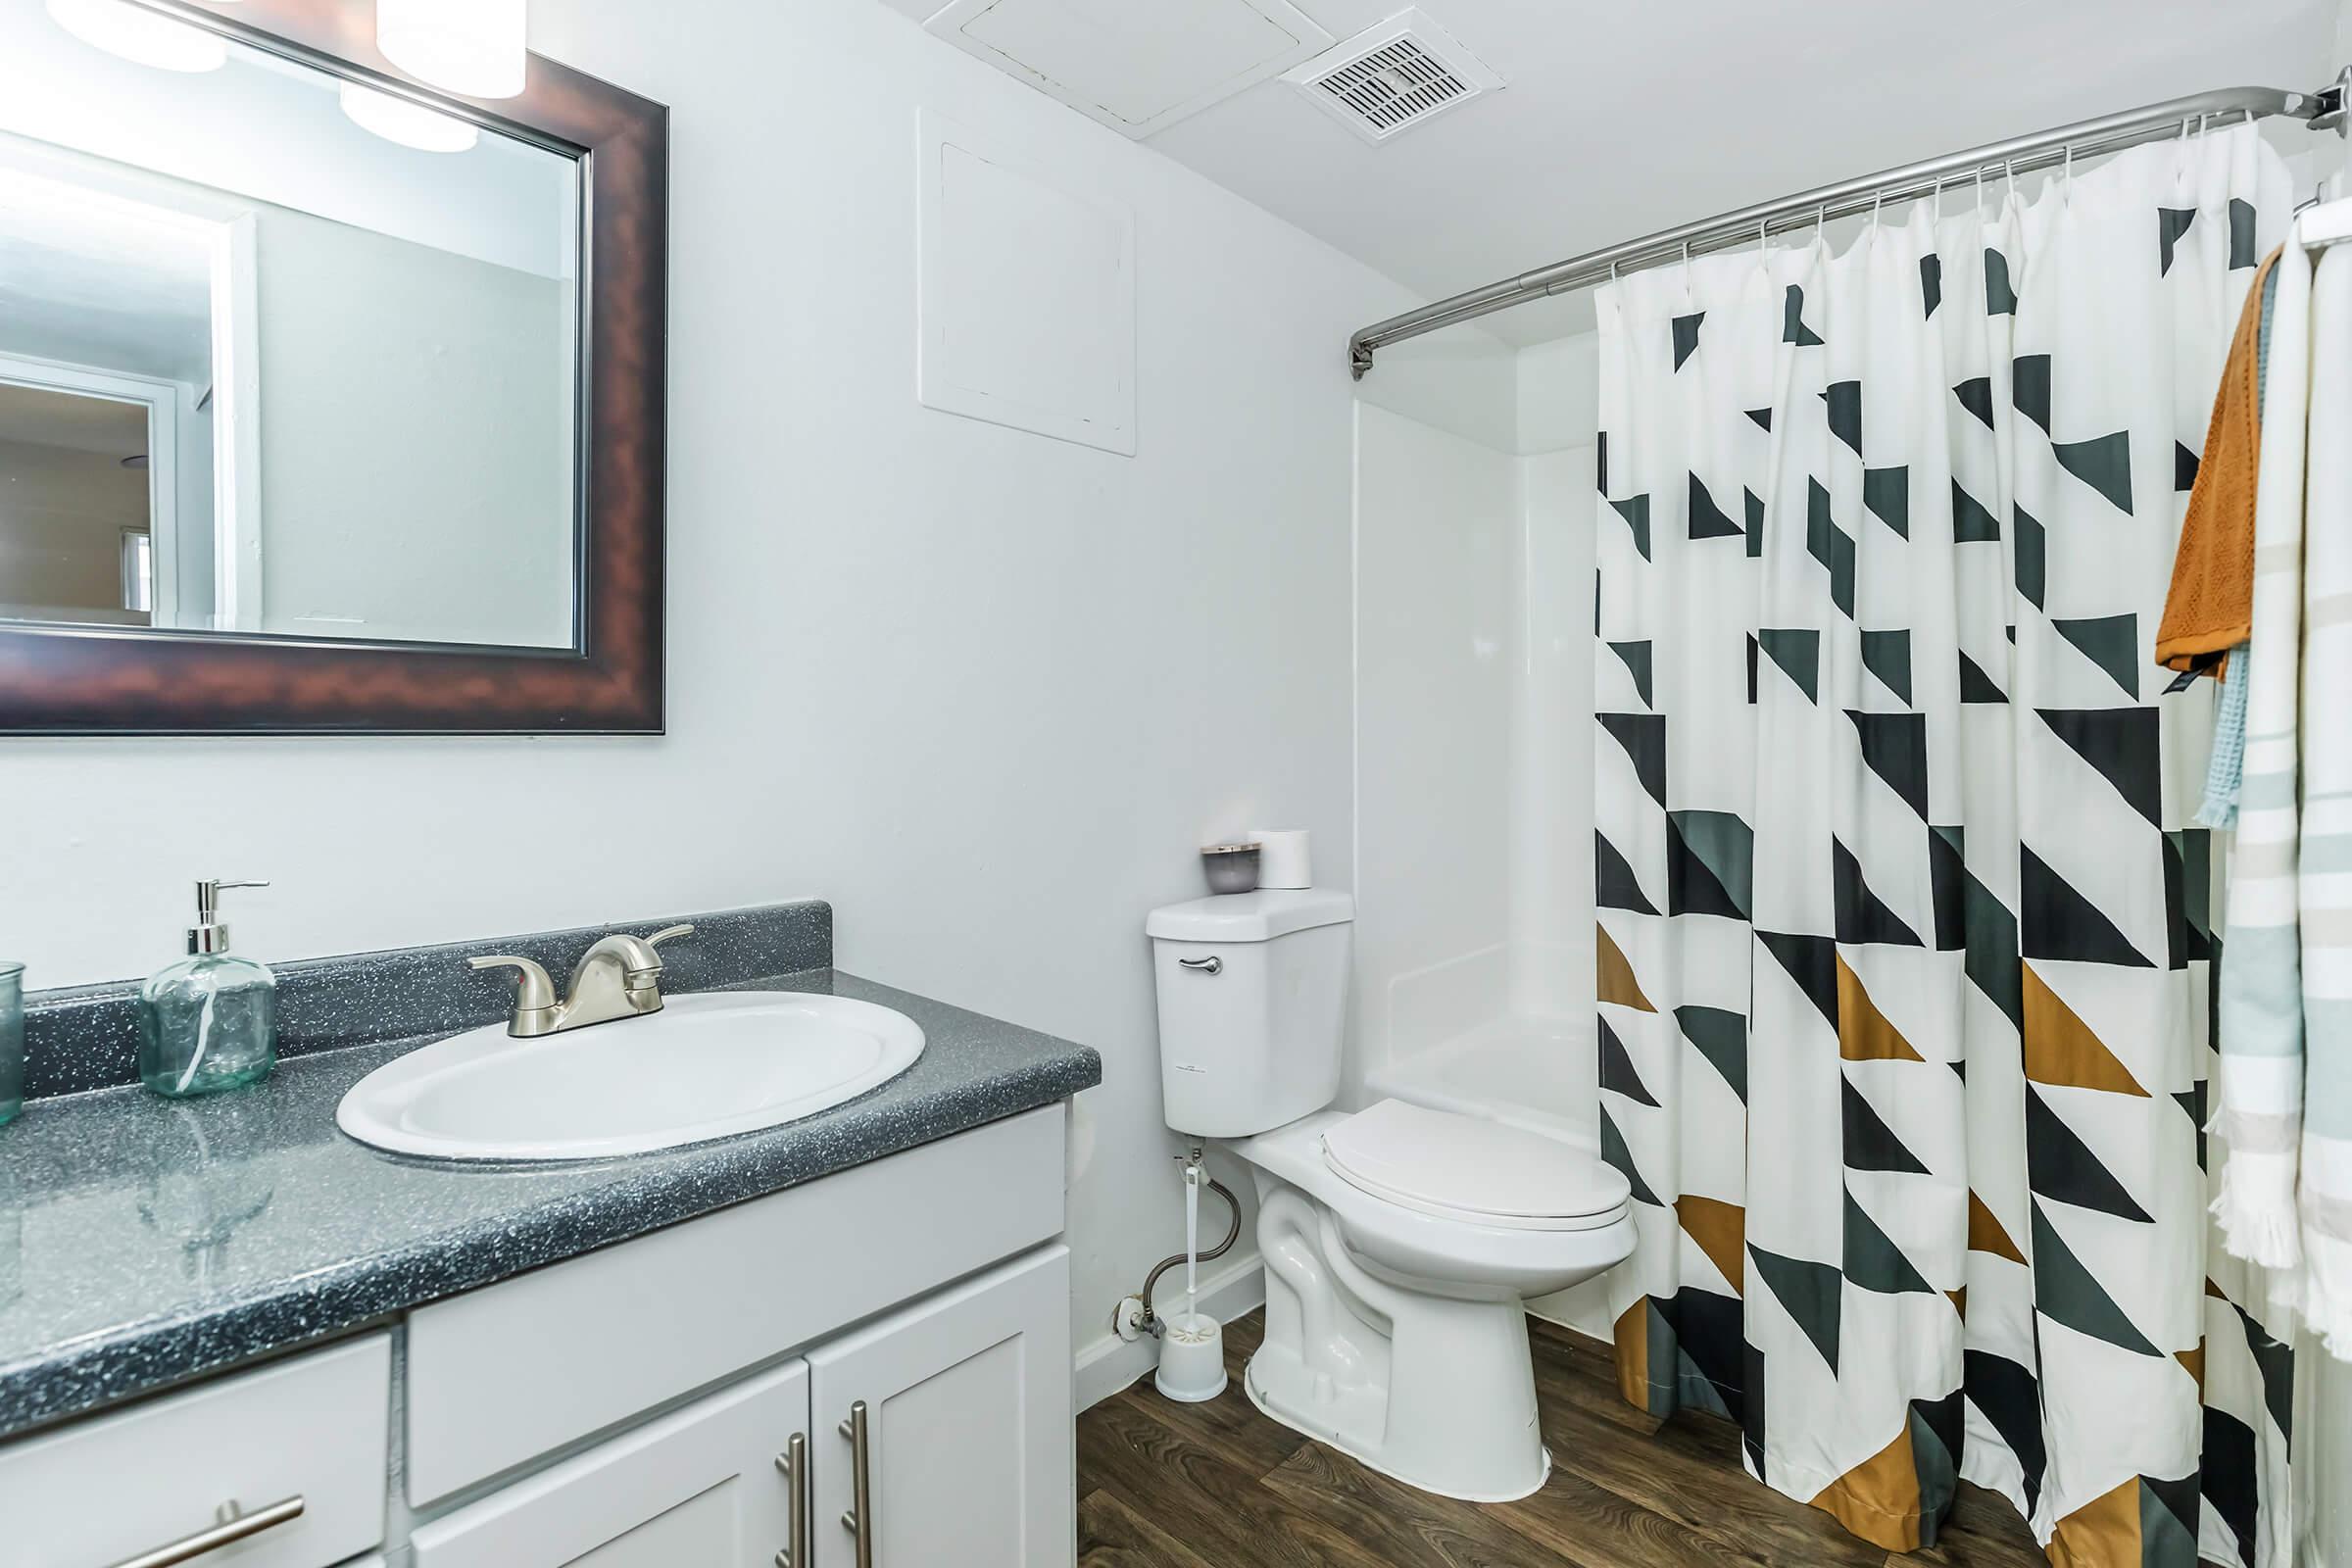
{"x":1282,"y":857}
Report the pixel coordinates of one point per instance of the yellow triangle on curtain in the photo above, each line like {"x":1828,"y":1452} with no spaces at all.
{"x":1614,"y":976}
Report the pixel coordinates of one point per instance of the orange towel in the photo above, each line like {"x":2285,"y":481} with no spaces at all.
{"x":2209,"y":609}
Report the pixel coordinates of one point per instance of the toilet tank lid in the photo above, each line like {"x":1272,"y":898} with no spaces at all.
{"x":1258,"y":917}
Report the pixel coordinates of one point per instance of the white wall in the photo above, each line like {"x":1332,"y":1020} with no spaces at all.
{"x":416,"y":440}
{"x":1560,"y":394}
{"x":1551,"y":757}
{"x":1438,"y":645}
{"x":1461,"y":380}
{"x":1474,"y":604}
{"x":986,"y":691}
{"x":1551,"y":889}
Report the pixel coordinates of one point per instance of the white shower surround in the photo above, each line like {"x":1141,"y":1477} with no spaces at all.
{"x":1474,"y":787}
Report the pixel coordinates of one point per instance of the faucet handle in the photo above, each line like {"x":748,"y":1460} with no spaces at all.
{"x":646,"y":973}
{"x":534,"y":995}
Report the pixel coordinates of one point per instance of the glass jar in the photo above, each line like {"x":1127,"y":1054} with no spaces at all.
{"x":208,"y":1024}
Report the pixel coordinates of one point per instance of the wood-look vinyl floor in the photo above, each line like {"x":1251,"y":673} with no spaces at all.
{"x":1162,"y":1485}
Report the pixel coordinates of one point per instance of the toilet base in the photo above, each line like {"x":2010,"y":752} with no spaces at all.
{"x":1437,"y":1389}
{"x":1281,"y":1368}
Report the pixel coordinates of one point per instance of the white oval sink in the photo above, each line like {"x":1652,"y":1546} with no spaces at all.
{"x":706,"y":1066}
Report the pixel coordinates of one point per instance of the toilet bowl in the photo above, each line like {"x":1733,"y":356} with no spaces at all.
{"x":1400,"y":1244}
{"x":1399,"y":1241}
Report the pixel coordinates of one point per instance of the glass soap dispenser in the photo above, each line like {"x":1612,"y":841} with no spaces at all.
{"x":209,"y":1021}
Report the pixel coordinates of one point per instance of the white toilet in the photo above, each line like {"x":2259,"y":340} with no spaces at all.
{"x":1399,"y":1241}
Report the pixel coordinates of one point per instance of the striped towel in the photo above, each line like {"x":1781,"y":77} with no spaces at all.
{"x":2286,"y":1026}
{"x":2226,"y":769}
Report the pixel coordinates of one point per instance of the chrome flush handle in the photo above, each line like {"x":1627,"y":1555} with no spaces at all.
{"x":1212,"y":965}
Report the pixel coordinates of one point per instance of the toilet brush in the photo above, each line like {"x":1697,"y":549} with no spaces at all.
{"x":1192,"y":1344}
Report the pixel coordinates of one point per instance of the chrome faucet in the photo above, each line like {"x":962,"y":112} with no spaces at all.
{"x":619,"y":977}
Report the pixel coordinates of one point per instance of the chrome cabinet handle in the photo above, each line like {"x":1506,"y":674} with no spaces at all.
{"x":794,"y":1462}
{"x":859,"y":1520}
{"x":234,"y":1525}
{"x":1212,"y":965}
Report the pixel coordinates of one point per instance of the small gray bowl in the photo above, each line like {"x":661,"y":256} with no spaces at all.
{"x":1231,"y":867}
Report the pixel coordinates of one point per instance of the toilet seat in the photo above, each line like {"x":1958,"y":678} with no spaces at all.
{"x":1452,"y":1166}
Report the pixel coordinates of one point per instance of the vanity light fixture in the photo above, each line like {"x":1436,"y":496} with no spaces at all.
{"x":474,"y":47}
{"x":410,"y":125}
{"x":142,"y":36}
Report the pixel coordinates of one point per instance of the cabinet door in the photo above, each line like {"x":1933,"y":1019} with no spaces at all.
{"x":308,"y":1433}
{"x":970,"y":1437}
{"x":701,"y":1486}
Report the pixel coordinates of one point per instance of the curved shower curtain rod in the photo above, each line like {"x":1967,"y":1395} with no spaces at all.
{"x":2324,"y":109}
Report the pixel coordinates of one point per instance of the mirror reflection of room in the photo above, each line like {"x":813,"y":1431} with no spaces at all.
{"x":241,"y":302}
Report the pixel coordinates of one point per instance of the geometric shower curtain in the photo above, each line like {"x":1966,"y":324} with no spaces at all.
{"x":1906,"y":947}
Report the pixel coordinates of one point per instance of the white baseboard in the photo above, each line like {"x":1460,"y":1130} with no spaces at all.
{"x":1109,"y":1363}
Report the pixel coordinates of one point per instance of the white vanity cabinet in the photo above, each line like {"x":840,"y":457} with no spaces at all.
{"x":701,"y":1487}
{"x":963,"y":1404}
{"x":970,"y":1446}
{"x":296,"y":1448}
{"x":638,"y":1406}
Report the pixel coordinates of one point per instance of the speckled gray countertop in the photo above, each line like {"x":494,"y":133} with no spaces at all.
{"x":145,"y":1240}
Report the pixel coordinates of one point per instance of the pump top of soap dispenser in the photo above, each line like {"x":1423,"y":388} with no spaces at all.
{"x":210,"y":933}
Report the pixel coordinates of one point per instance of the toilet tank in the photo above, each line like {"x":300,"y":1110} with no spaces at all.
{"x":1253,"y":1007}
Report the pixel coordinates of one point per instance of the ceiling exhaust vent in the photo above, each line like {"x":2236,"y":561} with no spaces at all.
{"x":1403,"y":73}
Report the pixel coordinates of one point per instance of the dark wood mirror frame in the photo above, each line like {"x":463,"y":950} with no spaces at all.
{"x":93,"y":680}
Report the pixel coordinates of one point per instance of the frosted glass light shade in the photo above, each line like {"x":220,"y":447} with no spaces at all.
{"x":142,"y":36}
{"x":409,"y":124}
{"x":474,"y":47}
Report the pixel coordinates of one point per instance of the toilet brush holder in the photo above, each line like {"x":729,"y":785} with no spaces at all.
{"x":1191,"y":1357}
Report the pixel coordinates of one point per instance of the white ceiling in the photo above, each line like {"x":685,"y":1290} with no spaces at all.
{"x":1625,"y":120}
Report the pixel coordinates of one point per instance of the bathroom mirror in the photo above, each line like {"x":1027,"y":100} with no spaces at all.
{"x":327,"y":400}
